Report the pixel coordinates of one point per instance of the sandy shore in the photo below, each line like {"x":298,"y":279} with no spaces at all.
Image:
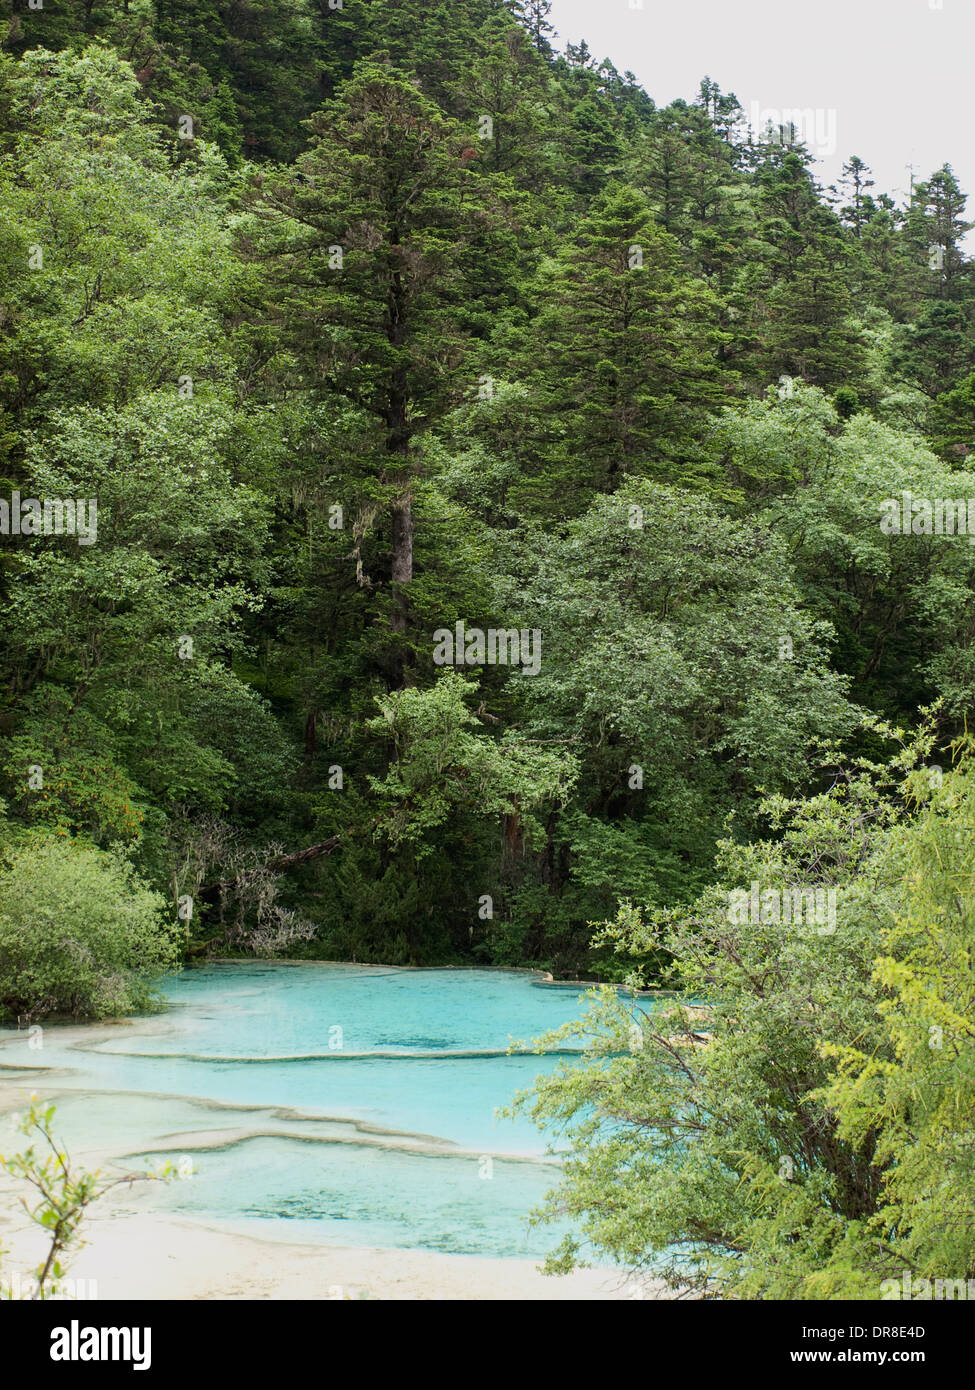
{"x":149,"y":1256}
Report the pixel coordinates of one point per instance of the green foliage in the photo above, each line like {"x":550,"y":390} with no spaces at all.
{"x":356,"y":323}
{"x":953,"y":421}
{"x":440,"y":769}
{"x":720,"y":1145}
{"x":406,"y":328}
{"x":914,"y":1094}
{"x":625,"y":351}
{"x":900,"y":603}
{"x":80,"y":934}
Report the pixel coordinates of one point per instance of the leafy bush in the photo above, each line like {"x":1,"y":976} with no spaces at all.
{"x":721,"y":1146}
{"x":80,"y":933}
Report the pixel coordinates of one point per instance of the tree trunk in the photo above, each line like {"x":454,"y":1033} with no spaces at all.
{"x":402,"y":558}
{"x":399,"y":433}
{"x":279,"y":865}
{"x":303,"y":856}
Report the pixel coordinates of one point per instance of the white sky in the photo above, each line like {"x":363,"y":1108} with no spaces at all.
{"x":898,"y":76}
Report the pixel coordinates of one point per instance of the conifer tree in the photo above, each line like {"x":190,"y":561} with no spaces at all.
{"x":853,"y":184}
{"x":629,"y":345}
{"x":369,"y":234}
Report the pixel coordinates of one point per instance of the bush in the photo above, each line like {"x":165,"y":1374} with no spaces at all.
{"x":796,"y":1122}
{"x":80,"y":933}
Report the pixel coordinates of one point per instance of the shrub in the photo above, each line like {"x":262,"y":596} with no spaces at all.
{"x":807,"y":1132}
{"x":80,"y":933}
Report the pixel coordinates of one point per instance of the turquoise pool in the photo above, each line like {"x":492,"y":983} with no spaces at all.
{"x":336,"y":1103}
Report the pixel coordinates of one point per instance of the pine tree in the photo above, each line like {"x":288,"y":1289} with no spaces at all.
{"x":936,"y":227}
{"x":505,"y":94}
{"x":937,"y":349}
{"x":629,"y":344}
{"x":723,"y":110}
{"x":371,"y":228}
{"x":810,"y":331}
{"x":533,"y":14}
{"x":853,"y":185}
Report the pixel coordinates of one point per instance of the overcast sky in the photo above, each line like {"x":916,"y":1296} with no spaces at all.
{"x":889,"y":80}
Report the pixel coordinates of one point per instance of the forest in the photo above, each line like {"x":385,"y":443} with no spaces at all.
{"x":456,"y":510}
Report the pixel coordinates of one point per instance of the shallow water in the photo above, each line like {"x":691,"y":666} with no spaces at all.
{"x":335,"y":1103}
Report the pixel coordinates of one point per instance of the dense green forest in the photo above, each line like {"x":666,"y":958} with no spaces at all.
{"x":351,"y":322}
{"x":458,"y":510}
